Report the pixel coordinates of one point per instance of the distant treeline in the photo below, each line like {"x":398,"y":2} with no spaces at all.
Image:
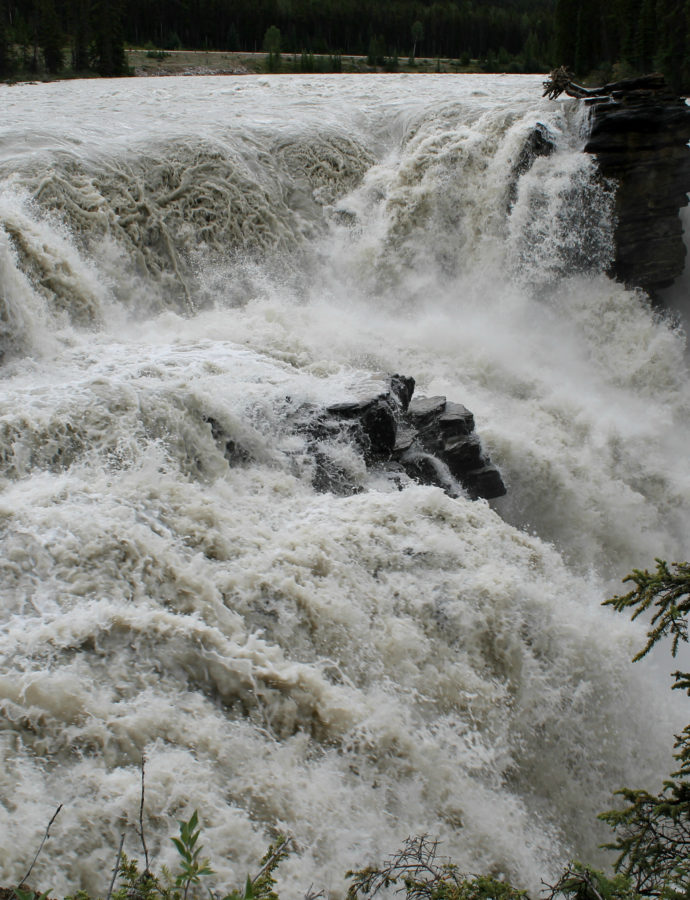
{"x":618,"y":38}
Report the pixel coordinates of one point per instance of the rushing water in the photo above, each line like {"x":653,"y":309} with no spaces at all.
{"x":349,"y":669}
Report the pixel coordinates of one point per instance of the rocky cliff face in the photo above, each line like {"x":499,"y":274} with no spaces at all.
{"x":640,"y":131}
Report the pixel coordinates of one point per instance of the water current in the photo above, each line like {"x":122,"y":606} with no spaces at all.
{"x":350,"y":669}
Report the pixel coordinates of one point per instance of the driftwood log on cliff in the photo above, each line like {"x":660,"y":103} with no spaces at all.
{"x":639,"y":134}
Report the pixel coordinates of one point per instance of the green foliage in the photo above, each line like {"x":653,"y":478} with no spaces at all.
{"x":376,"y":52}
{"x":192,"y":867}
{"x":417,"y":35}
{"x":579,"y":882}
{"x":172,"y":41}
{"x":81,"y":30}
{"x":51,"y":37}
{"x":271,"y":42}
{"x":27,"y":894}
{"x":107,"y":51}
{"x":6,"y":55}
{"x":422,"y":875}
{"x":652,"y":832}
{"x":667,"y":591}
{"x":653,"y":840}
{"x":136,"y":885}
{"x":262,"y":887}
{"x":190,"y":880}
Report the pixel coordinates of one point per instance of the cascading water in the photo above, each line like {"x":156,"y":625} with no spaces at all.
{"x":350,"y":669}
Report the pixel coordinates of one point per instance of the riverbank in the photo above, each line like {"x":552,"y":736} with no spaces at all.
{"x":147,"y":63}
{"x":201,"y":62}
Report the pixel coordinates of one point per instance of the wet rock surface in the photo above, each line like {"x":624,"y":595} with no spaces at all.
{"x":540,"y":142}
{"x":429,"y":439}
{"x":640,"y":130}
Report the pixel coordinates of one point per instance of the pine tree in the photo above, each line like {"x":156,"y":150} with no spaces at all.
{"x":6,"y":60}
{"x":232,"y":40}
{"x":50,"y":37}
{"x":645,"y":42}
{"x":653,"y":830}
{"x":417,"y":36}
{"x":108,"y":48}
{"x":271,"y":46}
{"x":565,"y":22}
{"x":80,"y":34}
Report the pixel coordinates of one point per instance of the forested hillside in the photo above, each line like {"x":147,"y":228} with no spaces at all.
{"x":606,"y":40}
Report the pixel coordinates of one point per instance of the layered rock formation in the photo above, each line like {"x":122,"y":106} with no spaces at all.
{"x":427,"y":439}
{"x":430,"y":439}
{"x":639,"y":134}
{"x":640,"y":131}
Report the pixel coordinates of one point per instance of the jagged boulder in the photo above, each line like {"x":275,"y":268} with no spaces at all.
{"x":540,"y":142}
{"x":429,"y":439}
{"x":439,"y":431}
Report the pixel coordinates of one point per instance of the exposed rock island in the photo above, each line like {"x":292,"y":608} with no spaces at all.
{"x":430,"y":440}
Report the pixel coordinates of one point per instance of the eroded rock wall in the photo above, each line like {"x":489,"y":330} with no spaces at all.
{"x":640,"y":131}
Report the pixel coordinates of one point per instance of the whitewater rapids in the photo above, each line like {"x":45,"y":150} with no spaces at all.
{"x":350,"y":670}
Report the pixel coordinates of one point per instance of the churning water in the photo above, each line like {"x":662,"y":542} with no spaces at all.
{"x":176,"y":253}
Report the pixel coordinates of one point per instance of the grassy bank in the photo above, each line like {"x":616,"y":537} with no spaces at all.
{"x":147,"y":63}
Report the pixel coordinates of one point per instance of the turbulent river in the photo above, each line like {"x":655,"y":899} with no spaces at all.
{"x":176,"y":253}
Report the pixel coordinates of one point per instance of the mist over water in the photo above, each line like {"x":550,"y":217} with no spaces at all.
{"x":356,"y":669}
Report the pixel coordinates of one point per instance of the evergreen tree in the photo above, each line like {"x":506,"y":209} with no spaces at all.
{"x":417,"y":36}
{"x":80,"y":34}
{"x":232,"y":40}
{"x":108,"y":48}
{"x":530,"y":54}
{"x":6,"y":60}
{"x":653,"y":831}
{"x":565,"y":22}
{"x":50,"y":37}
{"x":646,"y":36}
{"x":271,"y":45}
{"x":22,"y":37}
{"x":672,"y":42}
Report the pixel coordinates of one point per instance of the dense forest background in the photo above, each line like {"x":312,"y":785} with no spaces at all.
{"x":604,"y":41}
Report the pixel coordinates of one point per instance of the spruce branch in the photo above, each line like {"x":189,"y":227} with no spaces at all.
{"x":667,"y":592}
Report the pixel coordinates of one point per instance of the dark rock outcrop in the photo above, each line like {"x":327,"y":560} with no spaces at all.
{"x":439,"y":430}
{"x":639,"y":133}
{"x":427,"y":439}
{"x":540,"y":142}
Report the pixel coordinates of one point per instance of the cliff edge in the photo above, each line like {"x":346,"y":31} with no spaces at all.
{"x":639,"y":133}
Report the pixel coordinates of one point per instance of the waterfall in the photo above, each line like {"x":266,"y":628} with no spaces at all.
{"x":213,"y":255}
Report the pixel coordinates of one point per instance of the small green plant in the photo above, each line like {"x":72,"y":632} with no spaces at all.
{"x":136,"y":885}
{"x":192,"y":866}
{"x":180,"y":885}
{"x":578,"y":882}
{"x":28,"y":894}
{"x":421,"y":875}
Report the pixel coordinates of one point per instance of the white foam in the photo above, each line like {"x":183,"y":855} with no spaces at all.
{"x":351,"y":669}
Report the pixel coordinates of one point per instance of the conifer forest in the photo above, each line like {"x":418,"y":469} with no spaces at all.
{"x":602,"y":41}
